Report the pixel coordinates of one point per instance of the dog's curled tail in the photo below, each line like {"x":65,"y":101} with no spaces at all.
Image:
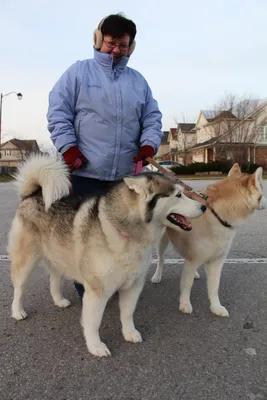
{"x":47,"y":172}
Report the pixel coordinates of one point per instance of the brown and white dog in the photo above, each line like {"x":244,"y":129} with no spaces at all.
{"x":230,"y":202}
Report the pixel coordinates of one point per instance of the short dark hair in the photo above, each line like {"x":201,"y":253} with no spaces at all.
{"x":116,"y":25}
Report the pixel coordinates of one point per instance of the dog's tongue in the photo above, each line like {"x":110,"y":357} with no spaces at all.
{"x":181,"y":220}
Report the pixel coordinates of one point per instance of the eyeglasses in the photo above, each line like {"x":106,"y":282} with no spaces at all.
{"x":111,"y":45}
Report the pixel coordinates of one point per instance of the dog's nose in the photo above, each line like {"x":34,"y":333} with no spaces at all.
{"x":203,"y":208}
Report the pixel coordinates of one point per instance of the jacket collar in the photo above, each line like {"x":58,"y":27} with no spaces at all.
{"x":105,"y":61}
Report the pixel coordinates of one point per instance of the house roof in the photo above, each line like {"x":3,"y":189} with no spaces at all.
{"x":226,"y":114}
{"x":28,"y":145}
{"x":187,"y":127}
{"x":204,"y":144}
{"x":214,"y":140}
{"x":212,"y":115}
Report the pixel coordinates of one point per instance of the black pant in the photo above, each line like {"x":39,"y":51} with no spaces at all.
{"x":94,"y":187}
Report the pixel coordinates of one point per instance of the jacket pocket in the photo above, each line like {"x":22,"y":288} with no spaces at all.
{"x":77,"y":127}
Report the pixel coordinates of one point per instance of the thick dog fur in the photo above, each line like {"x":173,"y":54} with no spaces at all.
{"x":103,"y":242}
{"x":230,"y":202}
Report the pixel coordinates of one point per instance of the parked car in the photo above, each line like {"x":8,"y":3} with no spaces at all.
{"x":168,"y":164}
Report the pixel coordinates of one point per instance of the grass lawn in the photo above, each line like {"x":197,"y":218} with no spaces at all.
{"x":200,"y":178}
{"x":203,"y":178}
{"x":5,"y":178}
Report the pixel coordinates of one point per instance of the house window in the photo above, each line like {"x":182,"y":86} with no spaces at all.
{"x":264,"y":133}
{"x":7,"y":153}
{"x":229,"y":154}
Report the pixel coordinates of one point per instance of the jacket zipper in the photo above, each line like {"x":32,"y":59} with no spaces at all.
{"x":118,"y":125}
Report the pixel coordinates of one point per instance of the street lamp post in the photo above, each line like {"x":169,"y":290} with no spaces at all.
{"x":19,"y":96}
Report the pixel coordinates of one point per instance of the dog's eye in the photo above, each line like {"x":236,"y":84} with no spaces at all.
{"x":179,"y":195}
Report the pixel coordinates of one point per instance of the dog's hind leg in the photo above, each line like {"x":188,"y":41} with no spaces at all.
{"x":55,"y":288}
{"x":128,"y":300}
{"x":161,"y":248}
{"x":214,"y":269}
{"x":187,"y":279}
{"x":24,"y":257}
{"x":20,"y":272}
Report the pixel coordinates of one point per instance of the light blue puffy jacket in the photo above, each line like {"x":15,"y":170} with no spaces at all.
{"x":108,"y":111}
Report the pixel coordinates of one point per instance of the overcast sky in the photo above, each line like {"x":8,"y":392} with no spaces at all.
{"x":191,"y":53}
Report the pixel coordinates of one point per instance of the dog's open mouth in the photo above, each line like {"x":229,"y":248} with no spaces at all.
{"x":180,"y":221}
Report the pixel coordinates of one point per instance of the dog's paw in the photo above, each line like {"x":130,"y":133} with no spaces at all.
{"x":99,"y":350}
{"x":19,"y":315}
{"x":186,"y":307}
{"x":63,"y":303}
{"x":156,"y":278}
{"x":133,"y":336}
{"x":197,"y":276}
{"x":219,"y":310}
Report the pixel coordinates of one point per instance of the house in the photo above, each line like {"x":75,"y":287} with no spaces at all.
{"x":225,"y":135}
{"x":14,"y":151}
{"x":238,"y":134}
{"x":174,"y":140}
{"x":183,"y":139}
{"x":164,"y":146}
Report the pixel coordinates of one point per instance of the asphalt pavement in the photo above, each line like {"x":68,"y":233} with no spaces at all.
{"x":196,"y":357}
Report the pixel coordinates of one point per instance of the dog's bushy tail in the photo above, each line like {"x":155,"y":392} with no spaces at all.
{"x":44,"y":171}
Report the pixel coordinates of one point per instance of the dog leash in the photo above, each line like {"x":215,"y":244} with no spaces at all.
{"x":190,"y":192}
{"x":138,"y":167}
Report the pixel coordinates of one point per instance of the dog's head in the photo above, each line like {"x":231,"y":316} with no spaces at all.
{"x":162,"y":201}
{"x":237,"y":196}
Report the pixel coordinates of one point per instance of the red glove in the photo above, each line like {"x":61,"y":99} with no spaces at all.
{"x":74,"y":158}
{"x":143,"y":153}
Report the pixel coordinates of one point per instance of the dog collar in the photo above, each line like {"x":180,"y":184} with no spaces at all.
{"x":121,"y":234}
{"x":224,"y":223}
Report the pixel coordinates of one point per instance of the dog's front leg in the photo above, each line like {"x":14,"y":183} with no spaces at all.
{"x":187,"y":279}
{"x":161,"y":248}
{"x":214,"y":269}
{"x":128,"y":300}
{"x":92,"y":313}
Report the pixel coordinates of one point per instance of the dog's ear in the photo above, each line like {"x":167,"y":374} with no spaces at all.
{"x":234,"y":170}
{"x":256,"y":178}
{"x":138,"y":184}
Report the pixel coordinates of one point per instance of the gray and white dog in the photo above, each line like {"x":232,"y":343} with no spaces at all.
{"x":104,"y":243}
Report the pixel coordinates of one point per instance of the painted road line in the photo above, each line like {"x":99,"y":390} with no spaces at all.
{"x":174,"y":261}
